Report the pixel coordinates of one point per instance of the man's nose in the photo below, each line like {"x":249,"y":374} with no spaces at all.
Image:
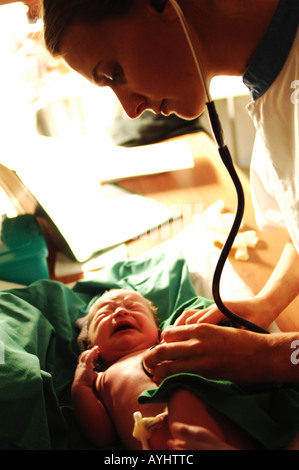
{"x":132,"y":103}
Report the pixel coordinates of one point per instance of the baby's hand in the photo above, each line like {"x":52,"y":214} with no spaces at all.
{"x":85,"y":374}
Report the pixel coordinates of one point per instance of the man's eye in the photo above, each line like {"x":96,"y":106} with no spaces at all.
{"x":117,"y":75}
{"x":108,"y":74}
{"x":114,"y":76}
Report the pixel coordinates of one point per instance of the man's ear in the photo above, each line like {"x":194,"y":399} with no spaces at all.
{"x":158,"y":5}
{"x":162,"y":7}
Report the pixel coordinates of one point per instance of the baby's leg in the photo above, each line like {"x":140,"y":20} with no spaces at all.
{"x":186,"y":408}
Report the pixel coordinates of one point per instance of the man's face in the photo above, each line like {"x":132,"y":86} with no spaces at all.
{"x":145,"y":59}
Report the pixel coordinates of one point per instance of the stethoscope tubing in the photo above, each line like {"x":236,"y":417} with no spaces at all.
{"x":227,"y":160}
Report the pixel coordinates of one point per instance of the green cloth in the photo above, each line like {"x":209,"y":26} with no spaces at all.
{"x":39,"y":359}
{"x":38,"y":337}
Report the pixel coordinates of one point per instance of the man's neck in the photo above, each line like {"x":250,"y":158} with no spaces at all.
{"x":228,"y":40}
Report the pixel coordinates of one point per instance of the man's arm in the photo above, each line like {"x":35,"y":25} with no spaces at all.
{"x":280,"y":290}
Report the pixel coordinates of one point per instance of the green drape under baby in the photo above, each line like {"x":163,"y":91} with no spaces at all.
{"x":39,"y":336}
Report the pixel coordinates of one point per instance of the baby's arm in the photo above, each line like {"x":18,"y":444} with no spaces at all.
{"x":90,"y":412}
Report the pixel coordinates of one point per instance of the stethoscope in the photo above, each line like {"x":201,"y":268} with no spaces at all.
{"x":227,"y":160}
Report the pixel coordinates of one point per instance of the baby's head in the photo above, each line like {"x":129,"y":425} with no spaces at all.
{"x":121,"y":322}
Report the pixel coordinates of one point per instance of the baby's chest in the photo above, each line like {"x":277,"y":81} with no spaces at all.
{"x":124,"y":381}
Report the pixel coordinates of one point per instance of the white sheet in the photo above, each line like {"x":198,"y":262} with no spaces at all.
{"x":202,"y":256}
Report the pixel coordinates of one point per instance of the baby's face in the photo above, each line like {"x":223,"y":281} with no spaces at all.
{"x":122,"y":323}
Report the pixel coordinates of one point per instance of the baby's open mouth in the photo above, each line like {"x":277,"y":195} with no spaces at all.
{"x":122,"y":327}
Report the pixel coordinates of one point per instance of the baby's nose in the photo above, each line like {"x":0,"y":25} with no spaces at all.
{"x":119,"y":311}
